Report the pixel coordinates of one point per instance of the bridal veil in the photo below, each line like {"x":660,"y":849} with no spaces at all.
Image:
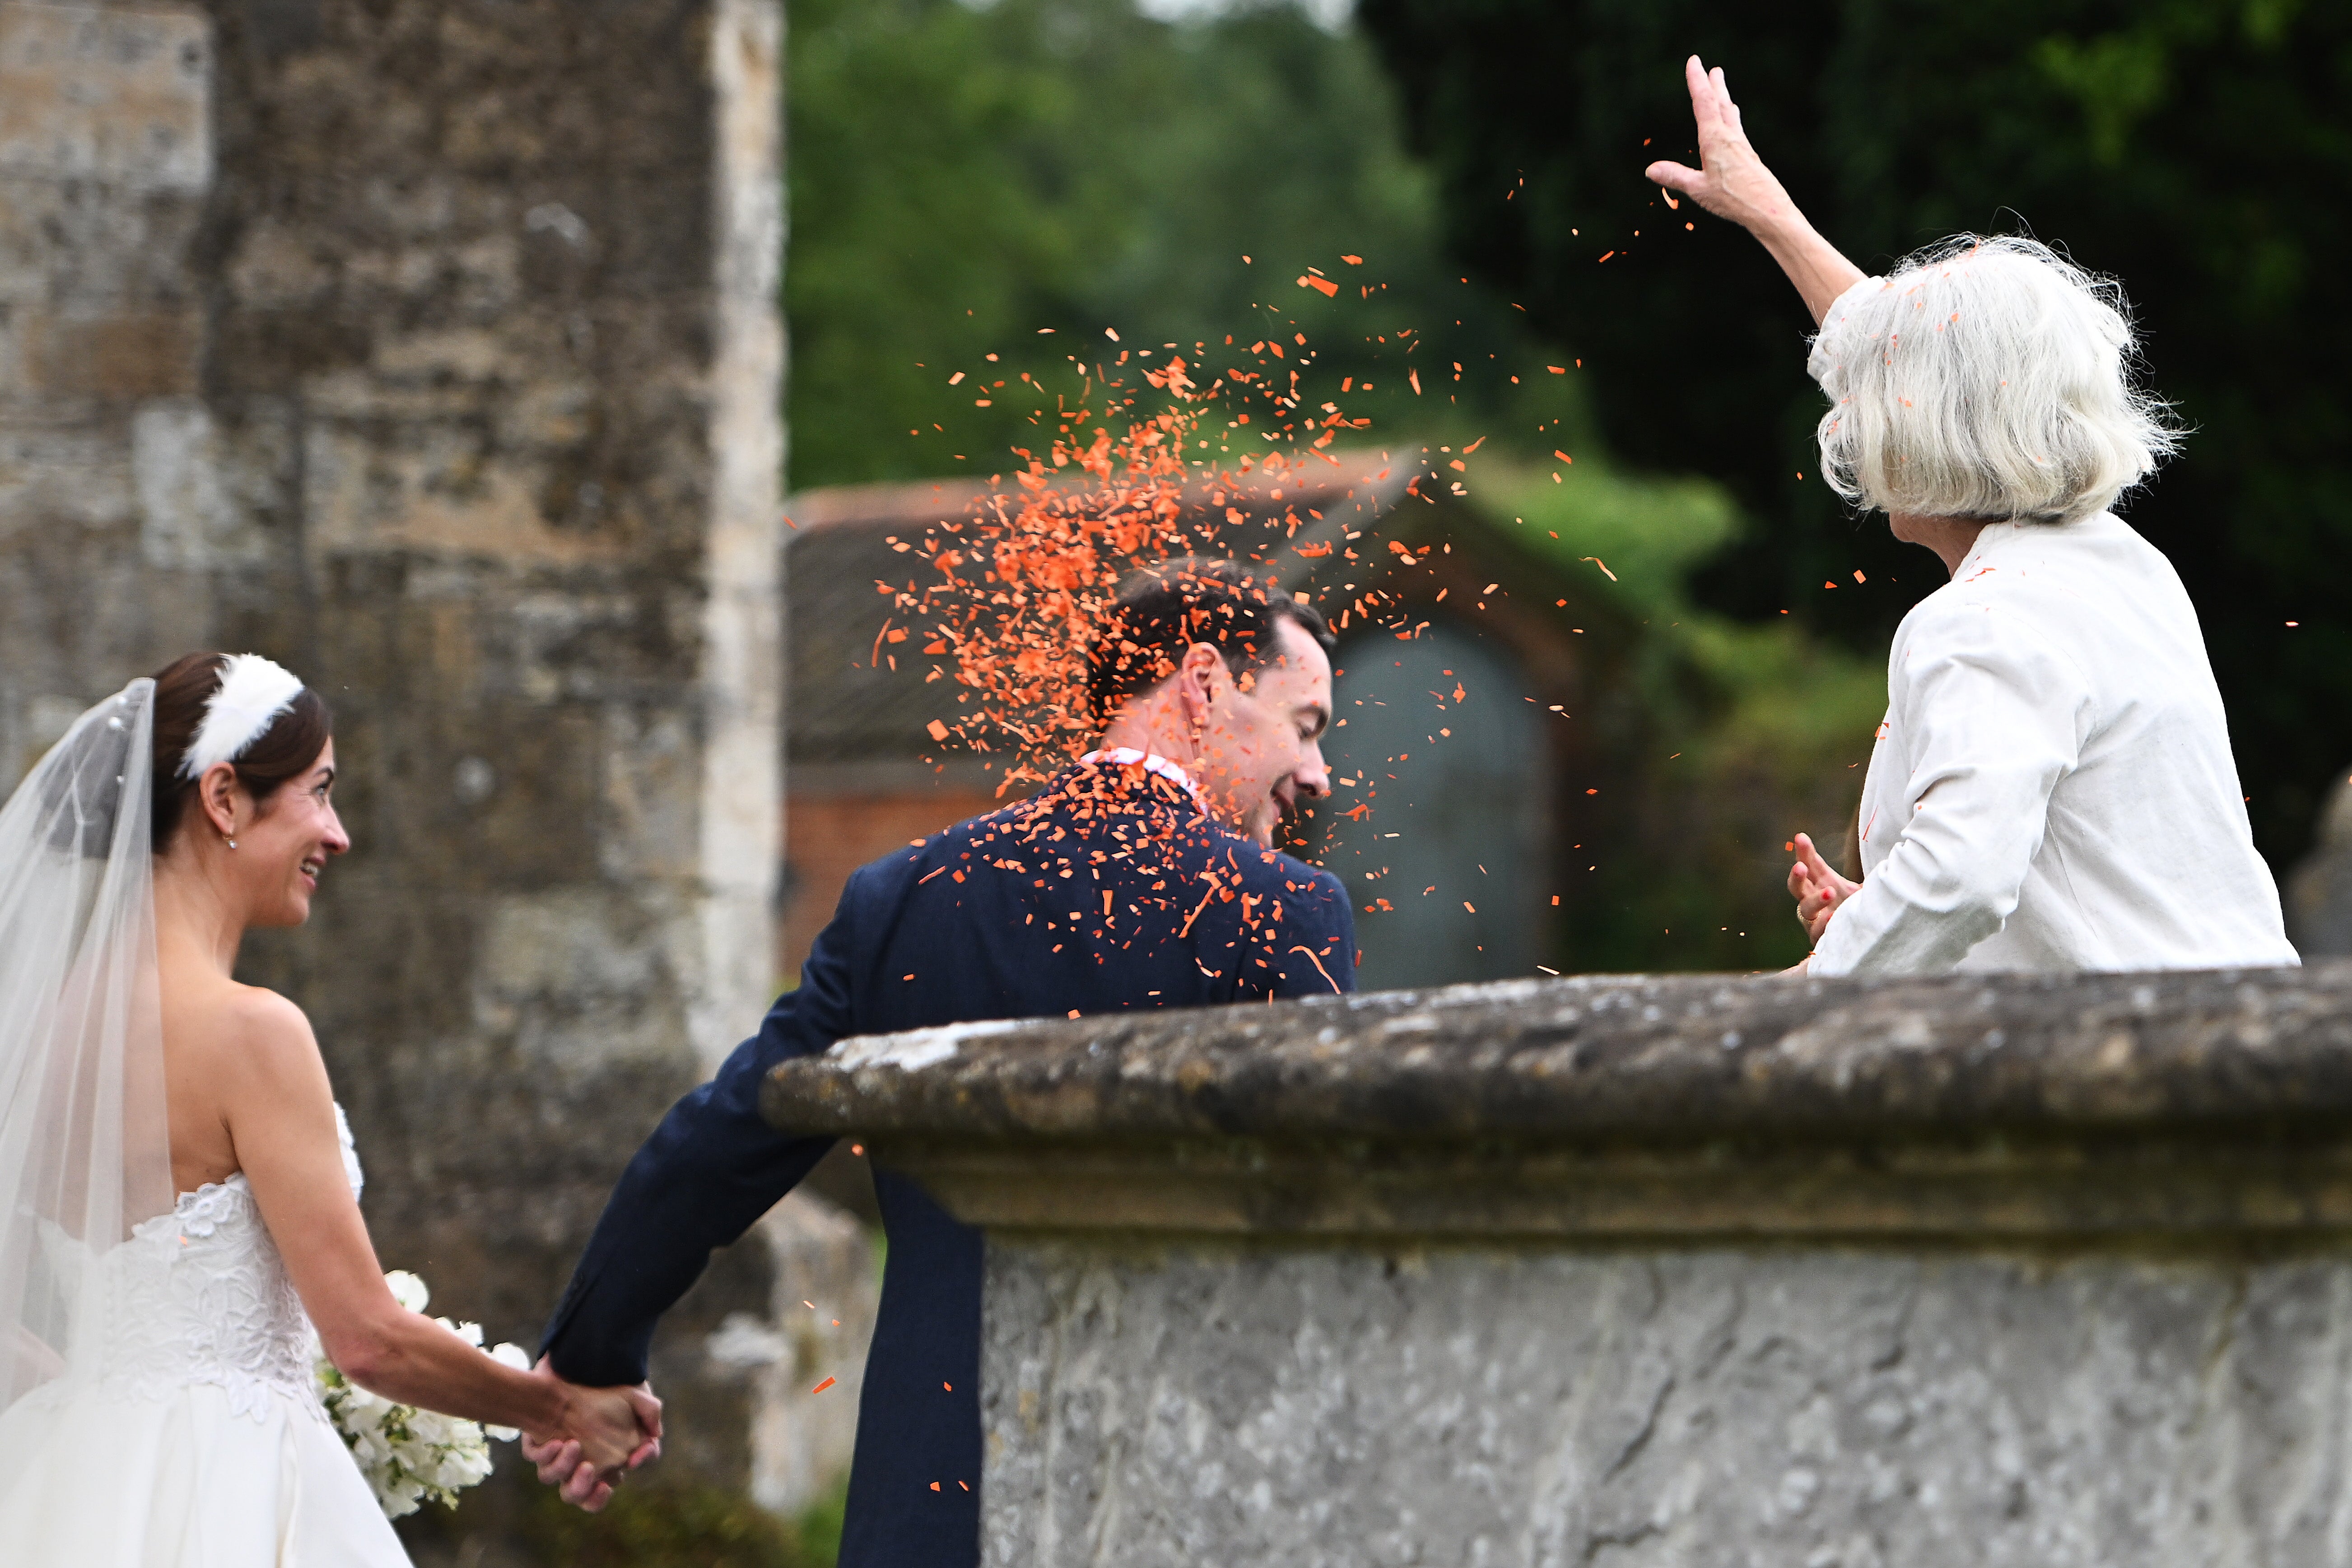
{"x":85,"y":1149}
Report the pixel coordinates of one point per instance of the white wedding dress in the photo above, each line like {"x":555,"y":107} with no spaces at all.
{"x":190,"y":1435}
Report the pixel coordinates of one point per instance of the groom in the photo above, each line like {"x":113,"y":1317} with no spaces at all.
{"x":1217,"y":690}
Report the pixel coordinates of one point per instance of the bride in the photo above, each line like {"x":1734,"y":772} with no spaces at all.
{"x":178,"y":1195}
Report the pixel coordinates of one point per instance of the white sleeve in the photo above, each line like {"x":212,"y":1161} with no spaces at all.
{"x":1992,"y":718}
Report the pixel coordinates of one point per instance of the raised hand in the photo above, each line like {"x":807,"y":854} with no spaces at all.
{"x":1818,"y":889}
{"x":1731,"y":181}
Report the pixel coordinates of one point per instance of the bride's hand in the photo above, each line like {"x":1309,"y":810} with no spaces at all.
{"x":581,"y":1463}
{"x":617,"y":1428}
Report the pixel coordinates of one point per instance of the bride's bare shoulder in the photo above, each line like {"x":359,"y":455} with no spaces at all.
{"x":240,"y":1032}
{"x":276,"y":1033}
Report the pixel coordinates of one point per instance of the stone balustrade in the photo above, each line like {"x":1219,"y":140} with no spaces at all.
{"x":1634,"y":1270}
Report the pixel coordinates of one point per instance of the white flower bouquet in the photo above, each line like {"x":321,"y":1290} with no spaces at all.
{"x":409,"y":1455}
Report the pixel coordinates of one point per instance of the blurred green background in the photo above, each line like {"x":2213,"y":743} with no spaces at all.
{"x":965,"y":174}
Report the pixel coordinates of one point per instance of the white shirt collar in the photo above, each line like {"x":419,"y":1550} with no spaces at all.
{"x":1152,"y":762}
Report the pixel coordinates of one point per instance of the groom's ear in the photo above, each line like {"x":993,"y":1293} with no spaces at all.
{"x":1201,"y":675}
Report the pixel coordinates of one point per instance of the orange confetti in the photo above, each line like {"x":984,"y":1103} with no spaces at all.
{"x":1563,"y":457}
{"x":1020,"y":584}
{"x":1318,"y":963}
{"x":1323,"y":286}
{"x":1605,"y":255}
{"x":1353,"y":260}
{"x":821,"y":1387}
{"x":1414,"y":376}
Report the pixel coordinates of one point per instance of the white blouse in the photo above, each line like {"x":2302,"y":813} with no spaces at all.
{"x":2052,"y":788}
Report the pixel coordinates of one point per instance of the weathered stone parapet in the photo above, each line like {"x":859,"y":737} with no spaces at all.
{"x":1625,"y":1106}
{"x":1651,"y":1271}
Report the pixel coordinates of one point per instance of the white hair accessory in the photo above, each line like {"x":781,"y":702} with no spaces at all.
{"x":253,"y":692}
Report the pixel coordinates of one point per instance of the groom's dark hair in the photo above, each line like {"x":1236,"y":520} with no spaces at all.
{"x":1162,"y":610}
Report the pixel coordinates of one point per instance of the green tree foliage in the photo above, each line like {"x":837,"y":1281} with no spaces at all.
{"x":2201,"y":150}
{"x":962,"y":176}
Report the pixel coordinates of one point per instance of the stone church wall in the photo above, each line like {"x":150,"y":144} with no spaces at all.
{"x":434,"y":350}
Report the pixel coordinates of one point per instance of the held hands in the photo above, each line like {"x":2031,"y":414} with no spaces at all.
{"x":611,"y":1432}
{"x":1818,"y":889}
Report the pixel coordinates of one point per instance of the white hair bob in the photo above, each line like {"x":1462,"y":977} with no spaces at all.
{"x":1985,"y":377}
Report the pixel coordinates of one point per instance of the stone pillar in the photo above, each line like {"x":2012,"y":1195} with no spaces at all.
{"x":112,"y":529}
{"x":1696,"y":1271}
{"x":2319,"y":891}
{"x":434,"y":349}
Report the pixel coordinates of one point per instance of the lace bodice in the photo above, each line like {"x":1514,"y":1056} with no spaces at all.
{"x":199,"y":1294}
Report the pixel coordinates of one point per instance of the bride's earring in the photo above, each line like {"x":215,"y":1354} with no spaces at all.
{"x":231,"y":843}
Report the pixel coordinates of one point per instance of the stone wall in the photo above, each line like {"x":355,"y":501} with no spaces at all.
{"x":2032,"y":1271}
{"x":2319,"y":891}
{"x":434,"y":349}
{"x":1866,"y":1406}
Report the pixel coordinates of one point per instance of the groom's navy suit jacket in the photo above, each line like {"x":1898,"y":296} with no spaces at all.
{"x":1107,"y":891}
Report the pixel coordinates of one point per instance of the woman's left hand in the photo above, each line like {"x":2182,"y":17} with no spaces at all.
{"x":1818,"y":889}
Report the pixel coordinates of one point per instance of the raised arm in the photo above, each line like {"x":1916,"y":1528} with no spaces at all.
{"x":1731,"y":181}
{"x":281,"y":1118}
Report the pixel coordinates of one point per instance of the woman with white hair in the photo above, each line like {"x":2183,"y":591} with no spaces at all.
{"x":2052,"y":788}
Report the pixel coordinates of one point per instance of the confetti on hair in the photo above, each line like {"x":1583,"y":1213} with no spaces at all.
{"x":1022,"y":582}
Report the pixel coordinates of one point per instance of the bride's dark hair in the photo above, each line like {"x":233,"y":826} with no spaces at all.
{"x":284,"y":750}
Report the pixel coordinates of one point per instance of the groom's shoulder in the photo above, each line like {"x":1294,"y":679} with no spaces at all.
{"x":956,"y":848}
{"x":1270,"y":873}
{"x":1049,"y":834}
